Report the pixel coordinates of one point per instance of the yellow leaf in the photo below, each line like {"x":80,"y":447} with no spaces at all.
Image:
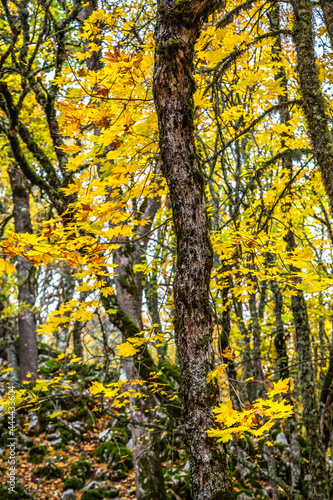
{"x":6,"y":267}
{"x":279,"y":387}
{"x":216,"y":373}
{"x":54,"y":415}
{"x":227,"y":353}
{"x":126,"y":350}
{"x":96,"y":388}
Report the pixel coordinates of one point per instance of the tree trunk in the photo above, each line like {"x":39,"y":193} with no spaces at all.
{"x":147,"y":463}
{"x":178,"y":25}
{"x":256,"y":335}
{"x":326,"y":402}
{"x":280,"y":340}
{"x":317,"y":459}
{"x":327,"y":8}
{"x":151,"y":294}
{"x":246,"y":350}
{"x":282,"y":363}
{"x":28,"y":353}
{"x":6,"y":332}
{"x":314,"y":110}
{"x":313,"y":101}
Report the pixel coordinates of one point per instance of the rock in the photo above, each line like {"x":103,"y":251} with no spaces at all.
{"x":105,"y":435}
{"x":54,"y":435}
{"x":73,"y":483}
{"x":281,"y":438}
{"x":186,"y":466}
{"x":113,"y":492}
{"x":36,"y":454}
{"x":94,"y":485}
{"x":76,"y":429}
{"x":115,"y":454}
{"x":23,"y":438}
{"x":55,"y":443}
{"x":50,"y":427}
{"x":81,"y":468}
{"x":100,"y":474}
{"x":244,"y":496}
{"x":33,"y":424}
{"x":48,"y":471}
{"x":119,"y":475}
{"x":68,"y":495}
{"x":130,"y":444}
{"x":100,"y":494}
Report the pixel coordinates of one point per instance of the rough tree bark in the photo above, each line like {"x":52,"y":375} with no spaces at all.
{"x":280,"y":338}
{"x":314,"y":106}
{"x":317,"y":459}
{"x":6,"y":332}
{"x":247,"y":358}
{"x":282,"y":363}
{"x":327,"y":8}
{"x":28,"y":353}
{"x":256,"y":317}
{"x":178,"y":26}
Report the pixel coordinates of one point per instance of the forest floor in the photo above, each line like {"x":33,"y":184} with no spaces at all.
{"x":52,"y":489}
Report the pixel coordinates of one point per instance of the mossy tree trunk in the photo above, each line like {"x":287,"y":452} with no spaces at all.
{"x":7,"y":333}
{"x":327,"y":8}
{"x":146,"y":451}
{"x":247,"y":358}
{"x":280,"y":338}
{"x":311,"y":419}
{"x":314,"y":108}
{"x":314,"y":105}
{"x":178,"y":25}
{"x":28,"y":353}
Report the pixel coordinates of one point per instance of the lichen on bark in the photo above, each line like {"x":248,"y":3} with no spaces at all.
{"x":173,"y":96}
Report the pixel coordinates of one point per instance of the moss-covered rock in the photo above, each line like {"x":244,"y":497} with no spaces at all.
{"x":73,"y":483}
{"x":19,"y":493}
{"x":37,"y":454}
{"x":119,"y":475}
{"x":80,"y":414}
{"x":69,"y":432}
{"x":115,"y":454}
{"x":48,"y":471}
{"x":64,"y":432}
{"x":100,"y":494}
{"x":81,"y":468}
{"x":116,"y":434}
{"x":244,"y":492}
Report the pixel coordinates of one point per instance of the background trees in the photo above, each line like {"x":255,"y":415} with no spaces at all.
{"x":198,"y":157}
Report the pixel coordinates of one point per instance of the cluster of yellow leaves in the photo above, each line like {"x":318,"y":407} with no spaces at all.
{"x":256,"y":419}
{"x":133,"y":344}
{"x":119,"y":392}
{"x":31,"y":397}
{"x":122,"y":391}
